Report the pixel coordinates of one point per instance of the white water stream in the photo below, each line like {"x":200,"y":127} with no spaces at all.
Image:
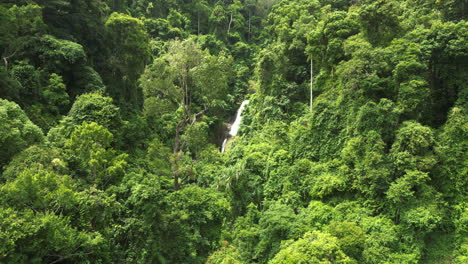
{"x":235,"y":126}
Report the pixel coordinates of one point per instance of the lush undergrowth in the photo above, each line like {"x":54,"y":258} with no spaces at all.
{"x":112,"y":114}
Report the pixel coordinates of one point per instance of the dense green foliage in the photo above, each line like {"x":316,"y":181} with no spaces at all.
{"x":112,"y":116}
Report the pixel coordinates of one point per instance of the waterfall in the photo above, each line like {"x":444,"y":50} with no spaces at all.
{"x":224,"y":145}
{"x":236,"y":125}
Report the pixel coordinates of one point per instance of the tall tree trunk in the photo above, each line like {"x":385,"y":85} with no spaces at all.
{"x":229,"y":26}
{"x":250,"y":17}
{"x":198,"y":23}
{"x":177,"y":152}
{"x":311,"y":83}
{"x":176,"y":170}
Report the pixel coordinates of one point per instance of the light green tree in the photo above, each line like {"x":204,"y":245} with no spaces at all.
{"x":192,"y":80}
{"x":313,"y":247}
{"x":17,"y":132}
{"x":88,"y":149}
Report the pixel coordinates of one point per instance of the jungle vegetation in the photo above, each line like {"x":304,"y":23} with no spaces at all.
{"x":113,"y":112}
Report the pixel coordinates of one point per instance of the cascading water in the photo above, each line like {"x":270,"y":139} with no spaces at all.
{"x":235,"y":126}
{"x":224,"y":145}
